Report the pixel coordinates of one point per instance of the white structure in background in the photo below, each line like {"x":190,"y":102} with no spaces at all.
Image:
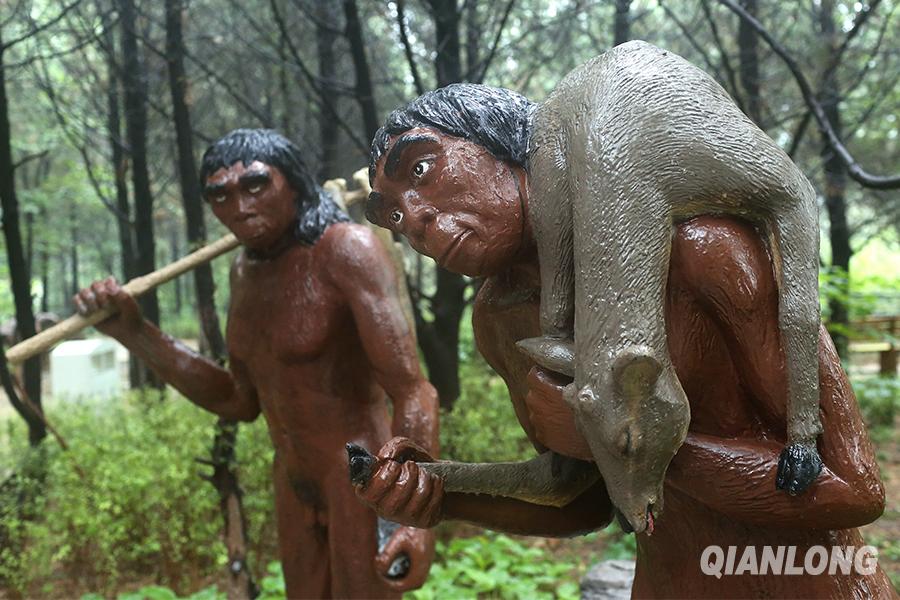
{"x":85,"y":368}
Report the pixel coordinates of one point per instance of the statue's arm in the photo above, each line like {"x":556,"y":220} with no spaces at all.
{"x":202,"y":381}
{"x":730,"y":273}
{"x":362,"y":270}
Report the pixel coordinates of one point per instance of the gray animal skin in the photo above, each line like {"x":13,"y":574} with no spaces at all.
{"x":626,"y":145}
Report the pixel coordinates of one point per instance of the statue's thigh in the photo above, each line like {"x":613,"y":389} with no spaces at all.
{"x":352,"y":544}
{"x":302,"y":543}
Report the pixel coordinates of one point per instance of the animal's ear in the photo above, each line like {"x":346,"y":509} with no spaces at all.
{"x":635,"y":372}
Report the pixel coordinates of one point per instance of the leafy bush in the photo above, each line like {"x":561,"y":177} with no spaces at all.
{"x":482,"y":425}
{"x":496,"y":566}
{"x":879,"y":399}
{"x":126,"y":501}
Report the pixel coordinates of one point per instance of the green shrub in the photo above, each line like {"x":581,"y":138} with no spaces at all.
{"x":879,"y":399}
{"x":126,"y":502}
{"x":496,"y":566}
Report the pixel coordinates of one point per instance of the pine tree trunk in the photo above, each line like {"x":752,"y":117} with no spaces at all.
{"x":241,"y":584}
{"x":15,"y":255}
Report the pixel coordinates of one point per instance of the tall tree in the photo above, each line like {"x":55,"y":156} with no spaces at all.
{"x":134,"y":80}
{"x":749,"y":67}
{"x":326,"y":37}
{"x":835,"y":181}
{"x":622,"y":22}
{"x":15,"y":255}
{"x":241,"y":584}
{"x":117,"y":150}
{"x":365,"y":93}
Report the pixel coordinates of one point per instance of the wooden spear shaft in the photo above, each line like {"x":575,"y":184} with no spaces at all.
{"x":137,"y":286}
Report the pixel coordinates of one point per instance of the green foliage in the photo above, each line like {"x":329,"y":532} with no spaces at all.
{"x":496,"y":566}
{"x":617,"y":543}
{"x":482,"y":425}
{"x":126,"y":501}
{"x":879,"y":399}
{"x":271,"y":587}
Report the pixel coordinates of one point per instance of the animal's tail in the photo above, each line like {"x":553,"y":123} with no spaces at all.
{"x":795,"y":243}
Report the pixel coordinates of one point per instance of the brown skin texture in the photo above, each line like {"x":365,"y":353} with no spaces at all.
{"x":316,"y":337}
{"x":722,"y":322}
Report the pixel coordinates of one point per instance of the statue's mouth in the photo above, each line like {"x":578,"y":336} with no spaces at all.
{"x":451,"y":250}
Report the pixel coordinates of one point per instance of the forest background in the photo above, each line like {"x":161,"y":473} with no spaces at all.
{"x":105,"y":107}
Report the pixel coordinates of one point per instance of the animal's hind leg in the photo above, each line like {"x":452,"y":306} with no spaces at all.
{"x":798,"y":316}
{"x":551,"y":217}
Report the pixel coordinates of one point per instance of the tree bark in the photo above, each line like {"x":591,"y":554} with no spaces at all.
{"x":117,"y":148}
{"x":447,"y":64}
{"x":15,"y":255}
{"x":748,"y":44}
{"x":835,"y":186}
{"x":241,"y":584}
{"x":622,"y":22}
{"x":135,"y":85}
{"x":326,"y":36}
{"x":73,"y":250}
{"x":365,"y":93}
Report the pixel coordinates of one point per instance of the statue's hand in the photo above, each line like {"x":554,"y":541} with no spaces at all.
{"x":399,"y":490}
{"x":127,"y":321}
{"x":553,"y":420}
{"x":417,"y":545}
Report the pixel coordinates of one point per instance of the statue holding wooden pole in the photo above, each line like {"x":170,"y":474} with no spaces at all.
{"x":316,"y":336}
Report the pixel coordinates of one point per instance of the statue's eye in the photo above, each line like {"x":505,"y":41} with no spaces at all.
{"x":421,"y":167}
{"x":396,"y":217}
{"x":255,"y":188}
{"x":218,"y":199}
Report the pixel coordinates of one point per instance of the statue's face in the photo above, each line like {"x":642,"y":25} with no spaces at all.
{"x":452,"y":199}
{"x":254,"y":201}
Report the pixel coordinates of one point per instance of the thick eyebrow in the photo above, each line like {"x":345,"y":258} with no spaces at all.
{"x":213,"y":188}
{"x":392,"y":162}
{"x":251,"y":177}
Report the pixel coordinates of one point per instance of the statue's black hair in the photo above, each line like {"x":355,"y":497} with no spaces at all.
{"x":316,"y":209}
{"x":495,"y":118}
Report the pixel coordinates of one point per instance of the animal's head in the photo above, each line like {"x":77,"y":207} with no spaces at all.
{"x":634,"y":420}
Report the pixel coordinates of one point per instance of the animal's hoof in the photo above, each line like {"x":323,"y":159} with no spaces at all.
{"x":361,"y":463}
{"x":798,"y":466}
{"x":554,"y":354}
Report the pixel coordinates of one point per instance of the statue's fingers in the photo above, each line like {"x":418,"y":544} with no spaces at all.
{"x":402,"y":449}
{"x":381,"y":483}
{"x":80,"y":306}
{"x":396,"y":501}
{"x":431,"y":515}
{"x":89,"y":298}
{"x":422,"y":496}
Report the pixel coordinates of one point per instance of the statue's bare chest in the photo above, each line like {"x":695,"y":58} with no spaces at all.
{"x":283,"y":312}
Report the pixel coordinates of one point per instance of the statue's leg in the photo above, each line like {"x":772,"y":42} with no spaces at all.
{"x":352,"y":542}
{"x":796,"y":241}
{"x":302,"y":540}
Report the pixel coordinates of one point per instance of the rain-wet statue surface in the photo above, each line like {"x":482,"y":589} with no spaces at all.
{"x":316,"y":338}
{"x":450,"y":173}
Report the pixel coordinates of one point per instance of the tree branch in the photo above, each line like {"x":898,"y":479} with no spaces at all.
{"x":36,"y":30}
{"x":407,"y":48}
{"x":856,"y":172}
{"x":486,"y":63}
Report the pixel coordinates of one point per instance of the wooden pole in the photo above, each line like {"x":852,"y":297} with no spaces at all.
{"x":137,"y":286}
